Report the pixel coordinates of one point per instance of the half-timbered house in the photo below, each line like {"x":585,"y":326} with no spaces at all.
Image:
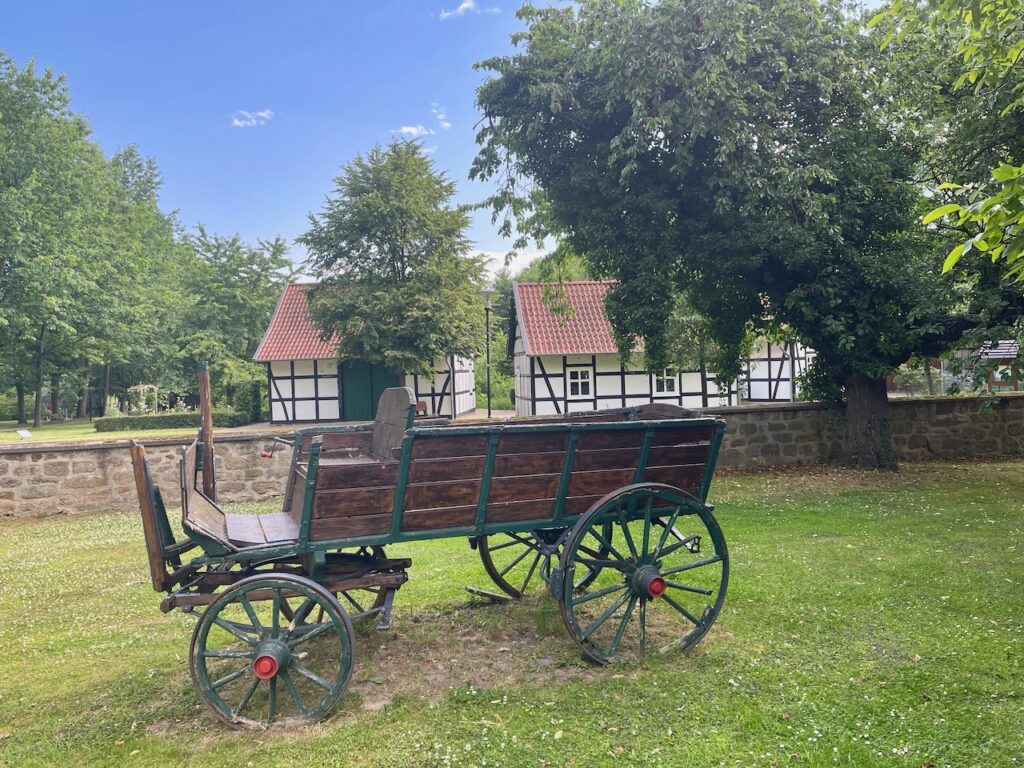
{"x":569,"y":362}
{"x":308,"y":383}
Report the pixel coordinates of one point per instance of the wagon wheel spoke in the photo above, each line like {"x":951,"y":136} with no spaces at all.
{"x":229,"y":677}
{"x":317,"y":630}
{"x":668,"y":529}
{"x":227,"y":653}
{"x":646,"y":543}
{"x":247,"y":607}
{"x":294,"y":692}
{"x":248,"y":695}
{"x":272,"y":700}
{"x":628,"y":536}
{"x":516,"y":539}
{"x":643,"y":625}
{"x":688,"y":588}
{"x":311,"y":676}
{"x":518,"y":559}
{"x":275,"y":610}
{"x":607,"y":614}
{"x":689,"y":616}
{"x":606,"y":544}
{"x":690,"y":566}
{"x":622,"y":626}
{"x":231,"y":628}
{"x":300,"y":615}
{"x":585,"y":598}
{"x":529,"y":573}
{"x":685,"y":541}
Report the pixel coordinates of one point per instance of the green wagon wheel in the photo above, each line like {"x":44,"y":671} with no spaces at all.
{"x":255,"y":667}
{"x":660,"y":583}
{"x":515,"y":560}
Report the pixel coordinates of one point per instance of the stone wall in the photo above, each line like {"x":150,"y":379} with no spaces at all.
{"x":922,"y":428}
{"x":77,"y":477}
{"x":42,"y":480}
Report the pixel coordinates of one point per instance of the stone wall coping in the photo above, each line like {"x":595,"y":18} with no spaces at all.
{"x":816,"y":406}
{"x":114,"y":445}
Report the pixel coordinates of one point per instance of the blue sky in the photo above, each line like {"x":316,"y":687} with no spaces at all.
{"x":250,"y":108}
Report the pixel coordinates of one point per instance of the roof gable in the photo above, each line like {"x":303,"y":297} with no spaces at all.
{"x":291,"y":334}
{"x":587,"y":331}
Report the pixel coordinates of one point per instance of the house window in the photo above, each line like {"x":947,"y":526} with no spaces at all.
{"x":665,"y":381}
{"x":579,"y":383}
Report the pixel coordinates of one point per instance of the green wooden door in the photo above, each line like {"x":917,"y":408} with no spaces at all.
{"x":361,"y":385}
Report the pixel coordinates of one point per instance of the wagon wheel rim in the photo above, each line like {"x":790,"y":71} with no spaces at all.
{"x":660,"y":585}
{"x":253,"y":667}
{"x":515,"y":561}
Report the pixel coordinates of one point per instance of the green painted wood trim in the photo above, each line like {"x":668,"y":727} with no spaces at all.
{"x":641,"y":460}
{"x":403,"y":480}
{"x":562,"y":427}
{"x":563,"y":481}
{"x":485,"y":481}
{"x":310,"y":496}
{"x":709,"y":467}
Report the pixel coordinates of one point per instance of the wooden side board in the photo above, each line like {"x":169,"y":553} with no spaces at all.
{"x":445,"y":485}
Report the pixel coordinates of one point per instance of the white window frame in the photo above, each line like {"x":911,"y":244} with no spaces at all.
{"x":583,"y":379}
{"x":666,"y":382}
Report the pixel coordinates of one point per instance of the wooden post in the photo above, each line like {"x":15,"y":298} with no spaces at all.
{"x":206,"y":430}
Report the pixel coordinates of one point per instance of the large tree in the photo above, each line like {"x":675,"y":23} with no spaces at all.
{"x":741,"y":156}
{"x":397,"y":284}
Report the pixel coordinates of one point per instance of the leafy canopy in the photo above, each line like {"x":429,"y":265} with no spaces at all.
{"x":390,"y":253}
{"x":738,"y":152}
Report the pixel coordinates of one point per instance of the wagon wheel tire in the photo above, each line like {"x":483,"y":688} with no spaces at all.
{"x":255,"y":668}
{"x":524,"y":557}
{"x":661,"y":583}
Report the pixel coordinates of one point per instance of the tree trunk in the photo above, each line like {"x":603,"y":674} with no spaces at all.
{"x":928,"y":377}
{"x":37,"y":416}
{"x":868,"y":440}
{"x":106,"y":390}
{"x":83,"y":397}
{"x":20,"y":389}
{"x":55,"y":395}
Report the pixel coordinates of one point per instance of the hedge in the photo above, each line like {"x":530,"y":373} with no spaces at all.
{"x":169,"y":421}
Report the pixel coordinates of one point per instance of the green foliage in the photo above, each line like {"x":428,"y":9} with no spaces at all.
{"x":252,"y":400}
{"x":396,"y":286}
{"x":169,"y":421}
{"x":981,"y":45}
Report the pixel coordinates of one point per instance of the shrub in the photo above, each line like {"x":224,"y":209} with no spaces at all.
{"x":250,"y":399}
{"x":168,"y":421}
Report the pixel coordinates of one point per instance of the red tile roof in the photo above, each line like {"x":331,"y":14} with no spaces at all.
{"x":291,"y":334}
{"x":587,"y":331}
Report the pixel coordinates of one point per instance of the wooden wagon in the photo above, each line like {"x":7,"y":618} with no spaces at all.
{"x":608,"y":509}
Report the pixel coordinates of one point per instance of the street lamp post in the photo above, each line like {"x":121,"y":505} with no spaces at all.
{"x":488,"y":294}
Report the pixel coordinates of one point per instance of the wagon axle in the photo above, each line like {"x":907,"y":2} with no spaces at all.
{"x":271,"y":657}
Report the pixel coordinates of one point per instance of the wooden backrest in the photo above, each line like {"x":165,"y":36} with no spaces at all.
{"x":151,"y":508}
{"x":198,"y":513}
{"x":396,"y":410}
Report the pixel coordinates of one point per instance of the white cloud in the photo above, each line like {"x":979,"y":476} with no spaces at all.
{"x":430,"y":150}
{"x":244,"y":119}
{"x":413,"y":131}
{"x":439,"y":114}
{"x":467,"y":6}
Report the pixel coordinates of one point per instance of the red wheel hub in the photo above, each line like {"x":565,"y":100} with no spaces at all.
{"x":656,"y":587}
{"x":265,"y":667}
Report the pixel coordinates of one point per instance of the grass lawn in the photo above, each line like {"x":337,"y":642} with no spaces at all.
{"x":871,"y":620}
{"x":78,"y":431}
